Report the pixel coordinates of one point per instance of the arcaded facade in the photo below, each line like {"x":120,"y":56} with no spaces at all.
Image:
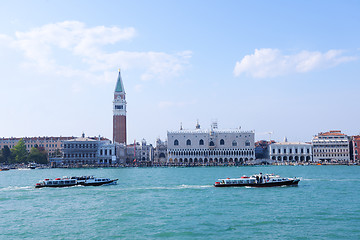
{"x":210,"y":146}
{"x":290,"y":152}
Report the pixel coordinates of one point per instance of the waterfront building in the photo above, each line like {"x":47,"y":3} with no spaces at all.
{"x":290,"y":151}
{"x":140,"y":153}
{"x":211,"y":146}
{"x":356,"y":148}
{"x":119,"y":112}
{"x":160,"y":152}
{"x":262,"y":149}
{"x":106,"y":152}
{"x":88,"y":151}
{"x":332,"y":146}
{"x":53,"y":145}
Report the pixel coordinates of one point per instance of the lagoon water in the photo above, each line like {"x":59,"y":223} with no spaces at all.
{"x":181,"y":203}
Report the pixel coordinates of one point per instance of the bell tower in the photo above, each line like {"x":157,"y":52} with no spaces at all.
{"x":119,"y":112}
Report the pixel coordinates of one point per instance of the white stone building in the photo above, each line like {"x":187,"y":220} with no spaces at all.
{"x":160,"y":152}
{"x":332,"y":146}
{"x":210,"y":146}
{"x":106,"y":152}
{"x":290,"y":151}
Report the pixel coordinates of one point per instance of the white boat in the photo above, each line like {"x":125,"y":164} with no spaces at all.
{"x":74,"y":181}
{"x":57,"y":182}
{"x":257,"y":180}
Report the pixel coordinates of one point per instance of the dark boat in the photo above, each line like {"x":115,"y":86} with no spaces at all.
{"x":94,"y":181}
{"x":257,"y":180}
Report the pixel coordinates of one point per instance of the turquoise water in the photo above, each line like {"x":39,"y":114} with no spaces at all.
{"x":181,"y":203}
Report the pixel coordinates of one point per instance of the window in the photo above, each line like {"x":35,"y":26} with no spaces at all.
{"x":290,"y":150}
{"x":188,"y":142}
{"x":284,"y":150}
{"x":201,"y":142}
{"x":234,"y":143}
{"x":118,"y":106}
{"x":274,"y":151}
{"x":247,"y":143}
{"x":222,"y":142}
{"x":211,"y":144}
{"x":176,"y":142}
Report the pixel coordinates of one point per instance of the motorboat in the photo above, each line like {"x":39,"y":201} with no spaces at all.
{"x":57,"y":182}
{"x":74,"y":181}
{"x":257,"y":180}
{"x":94,"y":181}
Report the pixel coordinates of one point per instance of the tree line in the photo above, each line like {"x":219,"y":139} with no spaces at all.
{"x":19,"y":154}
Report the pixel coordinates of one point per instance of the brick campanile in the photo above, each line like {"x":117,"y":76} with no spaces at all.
{"x":119,"y":112}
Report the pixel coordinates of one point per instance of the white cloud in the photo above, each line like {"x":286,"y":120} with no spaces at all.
{"x":44,"y":49}
{"x":269,"y":62}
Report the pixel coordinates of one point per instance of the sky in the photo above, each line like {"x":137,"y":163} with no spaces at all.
{"x":280,"y":68}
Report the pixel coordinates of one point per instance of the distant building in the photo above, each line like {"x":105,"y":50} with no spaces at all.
{"x":262,"y":149}
{"x":210,"y":146}
{"x":140,"y":154}
{"x":290,"y":151}
{"x":88,"y":151}
{"x":332,"y":146}
{"x":356,"y":148}
{"x":53,"y":145}
{"x":160,"y":152}
{"x":119,"y":112}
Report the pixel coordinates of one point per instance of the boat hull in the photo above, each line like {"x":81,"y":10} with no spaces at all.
{"x":266,"y":184}
{"x":111,"y":182}
{"x":55,"y":186}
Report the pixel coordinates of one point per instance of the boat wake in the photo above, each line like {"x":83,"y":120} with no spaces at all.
{"x":332,"y":180}
{"x":195,"y":186}
{"x":15,"y":188}
{"x":183,"y":186}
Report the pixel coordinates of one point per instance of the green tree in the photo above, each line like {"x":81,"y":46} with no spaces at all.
{"x":38,"y":155}
{"x":6,"y":154}
{"x":20,"y":152}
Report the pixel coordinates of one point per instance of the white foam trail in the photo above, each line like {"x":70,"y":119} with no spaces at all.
{"x":15,"y":188}
{"x":183,"y":186}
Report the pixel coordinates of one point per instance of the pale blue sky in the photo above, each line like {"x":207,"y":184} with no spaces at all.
{"x":290,"y":67}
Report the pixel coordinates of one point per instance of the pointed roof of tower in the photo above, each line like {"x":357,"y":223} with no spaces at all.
{"x":119,"y":84}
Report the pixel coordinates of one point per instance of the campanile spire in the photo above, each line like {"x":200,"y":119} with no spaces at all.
{"x":119,"y":112}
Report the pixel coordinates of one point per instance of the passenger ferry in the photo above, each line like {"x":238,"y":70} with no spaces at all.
{"x":57,"y":182}
{"x":74,"y":181}
{"x":93,"y":181}
{"x":257,"y":180}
